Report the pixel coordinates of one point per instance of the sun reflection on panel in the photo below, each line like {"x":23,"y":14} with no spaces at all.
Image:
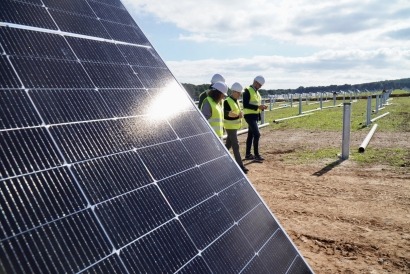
{"x":168,"y":102}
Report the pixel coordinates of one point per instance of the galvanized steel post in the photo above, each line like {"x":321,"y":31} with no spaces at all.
{"x":334,"y":98}
{"x":346,"y":130}
{"x":300,"y":104}
{"x":369,"y":110}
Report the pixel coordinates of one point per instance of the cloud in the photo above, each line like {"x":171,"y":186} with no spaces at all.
{"x":322,"y":68}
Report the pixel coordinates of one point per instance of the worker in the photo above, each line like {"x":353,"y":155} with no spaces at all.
{"x":252,"y":107}
{"x":216,"y":78}
{"x":212,"y":108}
{"x":233,"y":122}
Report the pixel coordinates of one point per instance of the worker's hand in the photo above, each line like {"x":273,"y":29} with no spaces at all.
{"x":241,"y":114}
{"x":262,"y":107}
{"x":232,"y":114}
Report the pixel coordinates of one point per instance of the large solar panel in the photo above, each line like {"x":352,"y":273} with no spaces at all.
{"x":106,"y":165}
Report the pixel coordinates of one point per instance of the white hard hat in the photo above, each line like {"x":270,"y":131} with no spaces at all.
{"x":217,"y":78}
{"x":237,"y":87}
{"x":221,"y":86}
{"x":260,"y":79}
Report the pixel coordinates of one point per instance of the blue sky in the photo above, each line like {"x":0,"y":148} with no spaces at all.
{"x":291,"y":43}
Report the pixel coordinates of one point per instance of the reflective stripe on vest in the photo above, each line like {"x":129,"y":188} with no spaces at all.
{"x":254,"y":99}
{"x":237,"y":123}
{"x":216,"y":119}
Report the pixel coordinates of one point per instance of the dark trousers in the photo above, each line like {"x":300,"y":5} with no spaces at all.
{"x":232,"y":142}
{"x":253,"y":136}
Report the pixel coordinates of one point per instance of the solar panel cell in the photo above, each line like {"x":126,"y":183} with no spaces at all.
{"x":189,"y":123}
{"x":114,"y":3}
{"x":112,"y":265}
{"x":186,"y":189}
{"x":258,"y":235}
{"x":299,"y":267}
{"x":206,"y":222}
{"x":112,"y":14}
{"x":255,"y":266}
{"x":29,"y":43}
{"x":50,"y":73}
{"x":16,"y":110}
{"x":239,"y":254}
{"x":33,"y":200}
{"x":25,"y":14}
{"x":96,"y":51}
{"x":72,"y":6}
{"x":8,"y":79}
{"x":204,"y":143}
{"x":125,"y":33}
{"x":26,"y":150}
{"x":141,"y":56}
{"x":164,"y":250}
{"x":66,"y":245}
{"x":126,"y":102}
{"x":130,"y":216}
{"x":197,"y":265}
{"x":79,"y":24}
{"x":154,"y":77}
{"x":278,"y":253}
{"x":166,"y":159}
{"x":239,"y":199}
{"x":63,"y":105}
{"x":107,"y":177}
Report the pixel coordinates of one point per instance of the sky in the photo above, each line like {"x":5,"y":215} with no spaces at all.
{"x":292,"y":43}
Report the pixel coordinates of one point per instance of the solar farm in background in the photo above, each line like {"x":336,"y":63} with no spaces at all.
{"x":106,"y":165}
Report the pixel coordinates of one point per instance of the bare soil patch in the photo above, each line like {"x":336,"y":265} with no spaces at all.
{"x":343,"y":217}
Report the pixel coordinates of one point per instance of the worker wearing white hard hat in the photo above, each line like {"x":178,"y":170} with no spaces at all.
{"x":252,"y":107}
{"x":212,"y":108}
{"x":233,"y":122}
{"x":215,"y":78}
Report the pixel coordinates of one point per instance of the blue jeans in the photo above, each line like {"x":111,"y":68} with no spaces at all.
{"x":253,"y":136}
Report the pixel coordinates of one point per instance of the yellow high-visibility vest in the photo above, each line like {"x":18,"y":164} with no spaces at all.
{"x":216,"y":119}
{"x":255,"y":99}
{"x":237,"y":123}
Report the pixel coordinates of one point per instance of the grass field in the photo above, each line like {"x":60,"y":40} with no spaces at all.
{"x":331,"y":120}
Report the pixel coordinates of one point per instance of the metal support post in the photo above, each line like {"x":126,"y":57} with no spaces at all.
{"x":334,"y":99}
{"x":321,"y":100}
{"x":369,"y":110}
{"x":346,"y":130}
{"x":300,"y":104}
{"x":377,"y":104}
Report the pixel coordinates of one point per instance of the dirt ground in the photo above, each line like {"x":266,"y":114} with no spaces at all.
{"x":344,"y":218}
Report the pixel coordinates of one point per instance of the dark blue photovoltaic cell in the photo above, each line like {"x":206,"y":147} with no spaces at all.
{"x":239,"y":199}
{"x":112,"y":75}
{"x":72,"y":6}
{"x":33,"y":200}
{"x":16,"y":110}
{"x":197,"y":266}
{"x":186,"y":189}
{"x":224,"y":173}
{"x":206,"y":222}
{"x":111,"y":13}
{"x":36,"y":44}
{"x":34,"y":2}
{"x":240,"y":253}
{"x":278,"y":253}
{"x":130,"y":216}
{"x":7,"y":77}
{"x":107,"y":177}
{"x":255,"y":266}
{"x":50,"y":73}
{"x":124,"y":33}
{"x":112,"y":265}
{"x":141,"y":56}
{"x":154,"y":77}
{"x":258,"y":235}
{"x":299,"y":267}
{"x":202,"y":143}
{"x":63,"y":106}
{"x":164,"y":250}
{"x":66,"y":245}
{"x":127,"y":102}
{"x":25,"y":14}
{"x":79,"y":24}
{"x":166,"y":159}
{"x":27,"y":150}
{"x":188,"y":124}
{"x":96,"y":51}
{"x":84,"y":141}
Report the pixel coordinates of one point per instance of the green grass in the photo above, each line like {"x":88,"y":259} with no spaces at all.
{"x":331,"y":119}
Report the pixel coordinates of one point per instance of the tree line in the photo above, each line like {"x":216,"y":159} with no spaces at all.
{"x":195,"y":90}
